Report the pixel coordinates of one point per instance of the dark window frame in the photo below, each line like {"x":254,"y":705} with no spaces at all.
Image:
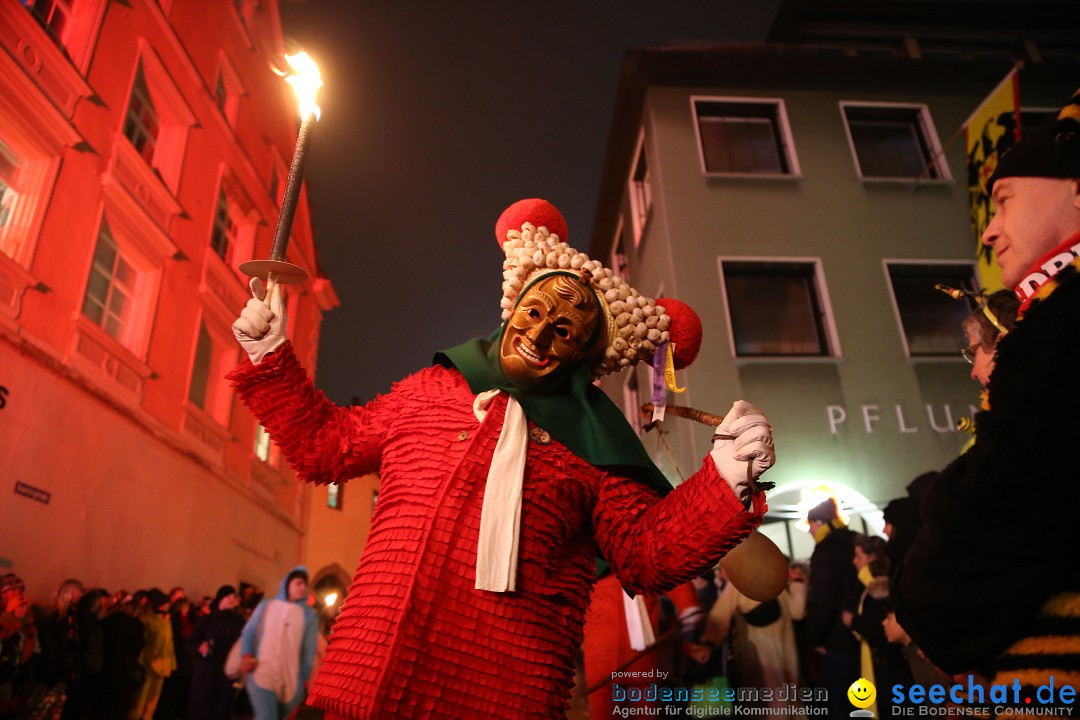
{"x":867,"y":125}
{"x":758,"y":271}
{"x":915,"y":273}
{"x":100,"y":303}
{"x":142,"y":122}
{"x":741,"y":121}
{"x":224,"y":233}
{"x":335,"y":496}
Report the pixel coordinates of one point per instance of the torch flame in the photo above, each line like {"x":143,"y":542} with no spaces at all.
{"x":306,"y":81}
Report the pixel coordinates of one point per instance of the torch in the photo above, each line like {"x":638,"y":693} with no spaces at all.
{"x":306,"y":82}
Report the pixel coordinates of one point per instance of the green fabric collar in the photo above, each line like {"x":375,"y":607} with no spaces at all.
{"x":576,"y":412}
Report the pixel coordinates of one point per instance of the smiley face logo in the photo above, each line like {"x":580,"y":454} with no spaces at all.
{"x":862,"y":693}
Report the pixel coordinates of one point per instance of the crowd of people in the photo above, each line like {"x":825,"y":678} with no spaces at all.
{"x":827,"y":628}
{"x":505,"y":471}
{"x":91,"y":654}
{"x":971,"y":586}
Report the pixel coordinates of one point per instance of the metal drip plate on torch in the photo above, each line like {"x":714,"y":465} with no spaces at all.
{"x":283,"y":272}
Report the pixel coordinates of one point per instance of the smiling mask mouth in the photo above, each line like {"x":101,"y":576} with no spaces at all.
{"x":530,"y":355}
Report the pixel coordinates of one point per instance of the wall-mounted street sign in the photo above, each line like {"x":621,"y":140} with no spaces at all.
{"x":29,"y":491}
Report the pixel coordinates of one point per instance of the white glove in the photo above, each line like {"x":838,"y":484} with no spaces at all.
{"x":743,"y":448}
{"x":260,"y":330}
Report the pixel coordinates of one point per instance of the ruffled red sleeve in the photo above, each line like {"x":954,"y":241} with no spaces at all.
{"x":654,"y":544}
{"x":323,"y":442}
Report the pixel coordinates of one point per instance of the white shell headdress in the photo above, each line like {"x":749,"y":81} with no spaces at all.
{"x":529,"y":232}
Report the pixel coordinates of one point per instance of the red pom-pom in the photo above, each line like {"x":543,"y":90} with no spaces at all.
{"x":538,"y":212}
{"x":685,"y":330}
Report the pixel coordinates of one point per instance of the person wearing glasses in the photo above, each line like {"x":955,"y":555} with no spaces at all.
{"x":985,"y":327}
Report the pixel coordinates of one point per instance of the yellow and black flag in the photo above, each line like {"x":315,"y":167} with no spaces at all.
{"x":990,"y":131}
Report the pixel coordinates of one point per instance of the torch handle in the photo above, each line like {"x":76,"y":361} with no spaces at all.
{"x":292,"y":192}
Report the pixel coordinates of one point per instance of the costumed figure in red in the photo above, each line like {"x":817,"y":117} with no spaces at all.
{"x":628,"y":651}
{"x":504,"y":472}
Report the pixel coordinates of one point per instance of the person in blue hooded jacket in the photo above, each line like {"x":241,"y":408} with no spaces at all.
{"x":278,"y":644}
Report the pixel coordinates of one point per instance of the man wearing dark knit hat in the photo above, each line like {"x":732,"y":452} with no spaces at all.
{"x":989,"y":584}
{"x":834,"y":589}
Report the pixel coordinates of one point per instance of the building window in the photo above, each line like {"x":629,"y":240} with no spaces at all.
{"x":640,"y":188}
{"x":9,"y":169}
{"x":221,"y":95}
{"x":244,"y":12}
{"x":124,"y":267}
{"x":52,"y":15}
{"x":335,"y":496}
{"x":931,"y":321}
{"x":238,"y":7}
{"x":71,"y":26}
{"x":278,"y":173}
{"x":744,"y":137}
{"x":200,"y":371}
{"x":223,"y":236}
{"x":141,"y":122}
{"x":274,"y":186}
{"x":776,"y":308}
{"x":227,"y":89}
{"x":111,"y":288}
{"x":156,"y":121}
{"x":207,"y":390}
{"x":895,"y":142}
{"x":262,"y":443}
{"x":27,"y":170}
{"x":233,"y":223}
{"x":7,"y":200}
{"x":619,"y":264}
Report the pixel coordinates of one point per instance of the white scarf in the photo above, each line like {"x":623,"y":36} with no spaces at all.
{"x":638,"y":624}
{"x":500,"y":517}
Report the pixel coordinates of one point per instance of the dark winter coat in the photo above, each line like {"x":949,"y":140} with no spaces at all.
{"x":999,"y":538}
{"x":834,"y":587}
{"x":121,"y":672}
{"x":211,"y":691}
{"x":58,"y":638}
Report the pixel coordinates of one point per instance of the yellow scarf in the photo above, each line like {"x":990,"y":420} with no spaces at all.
{"x":823,"y":532}
{"x":866,"y":660}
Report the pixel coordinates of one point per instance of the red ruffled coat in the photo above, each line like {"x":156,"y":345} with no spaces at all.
{"x":414,"y":638}
{"x":607,"y":643}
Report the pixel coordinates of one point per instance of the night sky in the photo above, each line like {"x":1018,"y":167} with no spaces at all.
{"x":438,"y":115}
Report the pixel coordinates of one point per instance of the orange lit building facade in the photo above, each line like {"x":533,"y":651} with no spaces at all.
{"x":144,"y":148}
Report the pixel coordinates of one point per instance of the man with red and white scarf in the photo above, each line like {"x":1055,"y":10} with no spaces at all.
{"x":992,"y":583}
